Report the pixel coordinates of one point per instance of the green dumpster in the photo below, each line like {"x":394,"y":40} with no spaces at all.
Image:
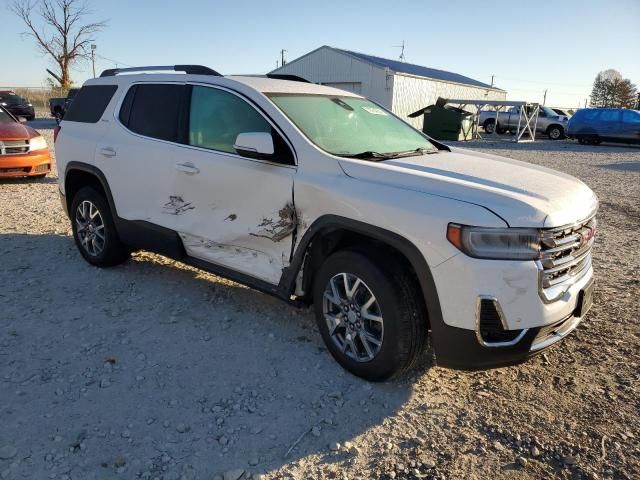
{"x":446,"y":122}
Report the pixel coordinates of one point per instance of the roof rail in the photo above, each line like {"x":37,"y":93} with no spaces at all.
{"x":284,"y":76}
{"x":192,"y":69}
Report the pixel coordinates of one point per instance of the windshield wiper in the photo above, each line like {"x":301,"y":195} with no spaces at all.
{"x":369,"y":155}
{"x":413,"y":153}
{"x":377,"y":156}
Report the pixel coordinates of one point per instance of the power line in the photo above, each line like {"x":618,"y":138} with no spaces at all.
{"x":115,"y":62}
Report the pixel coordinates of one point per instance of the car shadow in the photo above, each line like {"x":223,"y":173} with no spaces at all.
{"x":189,"y":365}
{"x":632,"y":166}
{"x":28,"y":180}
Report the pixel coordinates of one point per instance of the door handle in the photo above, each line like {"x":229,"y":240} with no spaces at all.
{"x":188,"y":168}
{"x":107,"y":152}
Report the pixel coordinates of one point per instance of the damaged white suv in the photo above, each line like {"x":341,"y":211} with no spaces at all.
{"x":319,"y":196}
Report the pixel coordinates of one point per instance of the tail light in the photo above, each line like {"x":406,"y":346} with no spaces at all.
{"x":56,"y":131}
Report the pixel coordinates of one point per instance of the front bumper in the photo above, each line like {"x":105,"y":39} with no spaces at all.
{"x":463,"y":282}
{"x":26,"y":164}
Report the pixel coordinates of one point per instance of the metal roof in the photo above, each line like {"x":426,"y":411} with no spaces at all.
{"x":418,"y":70}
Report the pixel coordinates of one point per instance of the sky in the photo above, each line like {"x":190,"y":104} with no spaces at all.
{"x":529,"y":47}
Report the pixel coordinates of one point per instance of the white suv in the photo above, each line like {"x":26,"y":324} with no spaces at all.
{"x":320,"y":196}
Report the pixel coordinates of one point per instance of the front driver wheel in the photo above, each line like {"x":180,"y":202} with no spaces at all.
{"x":94,"y":231}
{"x":555,"y":132}
{"x":370,"y":315}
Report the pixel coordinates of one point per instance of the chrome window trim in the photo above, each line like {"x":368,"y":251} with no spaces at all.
{"x":503,"y":321}
{"x":118,"y":106}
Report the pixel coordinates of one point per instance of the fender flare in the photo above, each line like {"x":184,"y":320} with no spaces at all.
{"x":328,"y":223}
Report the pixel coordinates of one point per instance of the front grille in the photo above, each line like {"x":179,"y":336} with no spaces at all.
{"x":565,"y":256}
{"x":12,"y":147}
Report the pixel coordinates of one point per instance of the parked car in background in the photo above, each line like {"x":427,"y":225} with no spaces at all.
{"x":591,"y":126}
{"x":59,"y":105}
{"x":312,"y":193}
{"x":23,"y":151}
{"x":549,"y":122}
{"x":18,"y":106}
{"x":562,"y":112}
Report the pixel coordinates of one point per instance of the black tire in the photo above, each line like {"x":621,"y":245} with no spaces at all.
{"x":595,"y":140}
{"x":113,"y":251}
{"x":555,"y":132}
{"x":400,"y":306}
{"x":489,"y":125}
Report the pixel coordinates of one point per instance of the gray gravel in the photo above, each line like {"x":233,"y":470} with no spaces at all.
{"x":157,"y":370}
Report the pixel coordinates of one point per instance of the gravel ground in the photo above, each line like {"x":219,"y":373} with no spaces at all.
{"x":157,"y":370}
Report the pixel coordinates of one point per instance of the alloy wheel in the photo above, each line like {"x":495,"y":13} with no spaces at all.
{"x":90,"y":228}
{"x":353,"y":317}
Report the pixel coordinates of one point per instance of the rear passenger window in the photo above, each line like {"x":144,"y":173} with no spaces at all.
{"x":157,"y":111}
{"x":89,"y":103}
{"x":217,"y":117}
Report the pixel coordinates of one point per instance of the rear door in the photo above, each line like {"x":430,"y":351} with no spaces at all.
{"x":139,"y":154}
{"x":242,"y":216}
{"x":630,"y":126}
{"x":609,"y":124}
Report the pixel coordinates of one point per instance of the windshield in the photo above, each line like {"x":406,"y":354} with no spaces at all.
{"x":5,"y":117}
{"x":12,"y":100}
{"x":348,"y":126}
{"x":548,"y":111}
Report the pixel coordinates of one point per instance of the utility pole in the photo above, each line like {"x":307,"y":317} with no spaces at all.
{"x":585,"y":103}
{"x":492,"y":80}
{"x":544,"y":99}
{"x":283,"y":62}
{"x":93,"y":58}
{"x":401,"y":47}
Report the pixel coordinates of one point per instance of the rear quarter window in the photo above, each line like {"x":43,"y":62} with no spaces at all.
{"x":90,"y":103}
{"x":156,"y":111}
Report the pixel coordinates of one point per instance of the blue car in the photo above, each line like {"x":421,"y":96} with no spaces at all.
{"x":590,"y":126}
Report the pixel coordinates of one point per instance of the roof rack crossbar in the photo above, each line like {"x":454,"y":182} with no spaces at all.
{"x":191,"y":69}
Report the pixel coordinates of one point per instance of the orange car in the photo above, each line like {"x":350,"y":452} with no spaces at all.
{"x":23,"y":151}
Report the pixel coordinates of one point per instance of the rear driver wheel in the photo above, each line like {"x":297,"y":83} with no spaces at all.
{"x":370,"y":315}
{"x":94,"y":231}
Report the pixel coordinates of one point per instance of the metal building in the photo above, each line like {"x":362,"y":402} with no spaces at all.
{"x":401,"y":87}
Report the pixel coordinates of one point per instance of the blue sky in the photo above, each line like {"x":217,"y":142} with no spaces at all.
{"x":528,"y":46}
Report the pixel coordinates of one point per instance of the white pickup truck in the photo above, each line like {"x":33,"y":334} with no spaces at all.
{"x":549,"y":122}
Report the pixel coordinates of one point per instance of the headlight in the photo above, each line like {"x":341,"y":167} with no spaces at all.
{"x":37,"y":143}
{"x":495,"y":243}
{"x":29,"y":105}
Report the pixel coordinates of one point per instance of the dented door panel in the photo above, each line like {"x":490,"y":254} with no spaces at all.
{"x":236,"y":212}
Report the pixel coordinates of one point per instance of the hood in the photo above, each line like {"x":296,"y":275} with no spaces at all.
{"x":16,"y":131}
{"x":522,"y":194}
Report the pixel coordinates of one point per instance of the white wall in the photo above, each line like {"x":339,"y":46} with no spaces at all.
{"x":413,"y":93}
{"x":326,"y":65}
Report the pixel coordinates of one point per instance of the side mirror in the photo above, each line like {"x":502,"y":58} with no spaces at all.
{"x":254,"y":145}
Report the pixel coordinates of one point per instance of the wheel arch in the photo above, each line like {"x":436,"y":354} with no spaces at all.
{"x":80,"y":174}
{"x":331,"y":232}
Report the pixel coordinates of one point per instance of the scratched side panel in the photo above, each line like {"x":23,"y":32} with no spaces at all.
{"x":236,"y":212}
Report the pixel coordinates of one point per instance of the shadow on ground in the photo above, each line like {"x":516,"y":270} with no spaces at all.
{"x":153,"y":367}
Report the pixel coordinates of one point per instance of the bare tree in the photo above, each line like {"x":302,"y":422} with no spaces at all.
{"x":60,"y":30}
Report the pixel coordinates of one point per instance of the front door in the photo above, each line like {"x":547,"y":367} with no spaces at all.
{"x":241,"y":210}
